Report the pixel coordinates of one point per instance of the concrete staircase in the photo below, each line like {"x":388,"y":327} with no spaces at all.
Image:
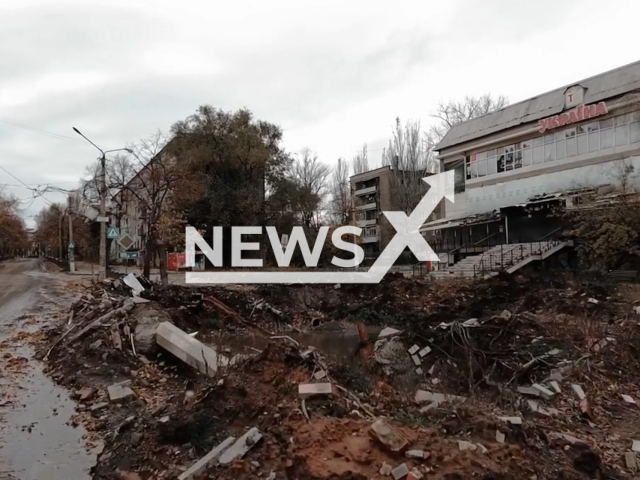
{"x":507,"y":258}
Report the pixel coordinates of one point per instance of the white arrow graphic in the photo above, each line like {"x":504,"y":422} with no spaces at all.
{"x":407,"y":235}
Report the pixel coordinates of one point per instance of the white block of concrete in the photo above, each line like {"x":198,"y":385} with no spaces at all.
{"x":628,"y":399}
{"x":425,"y":351}
{"x":636,"y":446}
{"x":241,"y":447}
{"x":500,"y":437}
{"x":579,"y":391}
{"x":544,"y":392}
{"x":119,"y":391}
{"x":555,"y":385}
{"x":416,"y":360}
{"x":512,"y":420}
{"x":306,"y":390}
{"x":206,"y":461}
{"x":188,"y":349}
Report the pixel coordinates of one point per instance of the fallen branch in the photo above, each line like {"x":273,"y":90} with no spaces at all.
{"x":96,"y":323}
{"x":58,"y":341}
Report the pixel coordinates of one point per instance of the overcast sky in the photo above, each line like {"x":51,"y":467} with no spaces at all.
{"x":333,"y":74}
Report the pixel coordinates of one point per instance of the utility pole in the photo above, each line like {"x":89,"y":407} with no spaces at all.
{"x":72,"y":262}
{"x":102,"y":272}
{"x":60,"y":236}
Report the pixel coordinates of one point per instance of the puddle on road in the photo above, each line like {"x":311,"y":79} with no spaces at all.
{"x":35,"y":441}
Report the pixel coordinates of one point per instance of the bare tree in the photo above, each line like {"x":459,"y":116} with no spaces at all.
{"x":454,"y":112}
{"x":340,"y":190}
{"x":312,"y":176}
{"x":360,"y":162}
{"x":410,"y":155}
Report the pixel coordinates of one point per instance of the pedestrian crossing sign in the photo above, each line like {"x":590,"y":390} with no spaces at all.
{"x":112,"y":232}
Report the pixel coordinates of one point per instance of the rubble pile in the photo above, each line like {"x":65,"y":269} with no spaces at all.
{"x":502,"y":379}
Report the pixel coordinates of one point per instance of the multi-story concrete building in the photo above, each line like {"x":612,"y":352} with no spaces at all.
{"x":513,"y":167}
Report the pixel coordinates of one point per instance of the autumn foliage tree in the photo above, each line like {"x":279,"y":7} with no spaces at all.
{"x":13,"y":233}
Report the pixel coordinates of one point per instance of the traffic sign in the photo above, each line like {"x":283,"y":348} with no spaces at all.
{"x":102,"y":219}
{"x":113,"y":232}
{"x":129,"y":255}
{"x":72,"y":246}
{"x":126,"y":241}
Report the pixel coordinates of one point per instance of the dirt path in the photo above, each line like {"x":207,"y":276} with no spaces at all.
{"x":36,"y":442}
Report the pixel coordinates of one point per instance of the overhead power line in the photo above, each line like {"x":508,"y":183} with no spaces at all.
{"x":38,"y":130}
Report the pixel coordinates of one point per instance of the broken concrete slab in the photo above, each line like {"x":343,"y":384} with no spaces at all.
{"x":416,"y":360}
{"x":555,"y":386}
{"x":543,"y":391}
{"x":188,"y":349}
{"x":578,"y":390}
{"x":98,"y":406}
{"x":306,"y":390}
{"x":631,"y":461}
{"x":140,"y":300}
{"x":423,"y":396}
{"x":463,"y":445}
{"x":241,"y":446}
{"x":556,"y":376}
{"x":414,"y":453}
{"x":628,"y":399}
{"x":414,"y":349}
{"x":419,"y":371}
{"x":387,"y":332}
{"x":132,"y":282}
{"x":120,"y":391}
{"x":400,"y":471}
{"x":635,"y":446}
{"x":425,"y":351}
{"x":529,"y":391}
{"x":205,"y":462}
{"x":500,"y":437}
{"x":483,"y":450}
{"x":566,"y":437}
{"x":320,"y":374}
{"x":388,"y":436}
{"x":415,"y":475}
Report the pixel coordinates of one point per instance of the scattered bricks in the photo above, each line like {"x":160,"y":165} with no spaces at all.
{"x":544,"y":392}
{"x":306,"y":390}
{"x":320,"y":374}
{"x":119,"y":391}
{"x":385,"y":469}
{"x":424,"y":352}
{"x":416,"y":360}
{"x":512,"y":420}
{"x":628,"y":399}
{"x":463,"y":445}
{"x":388,"y":436}
{"x":414,"y":349}
{"x":500,"y":437}
{"x":529,"y":391}
{"x":555,"y":386}
{"x":631,"y":461}
{"x":400,"y":471}
{"x":636,"y":446}
{"x":578,"y":390}
{"x":241,"y":447}
{"x":205,"y":462}
{"x":414,"y":454}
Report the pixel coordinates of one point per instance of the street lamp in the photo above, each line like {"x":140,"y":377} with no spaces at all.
{"x":102,"y":273}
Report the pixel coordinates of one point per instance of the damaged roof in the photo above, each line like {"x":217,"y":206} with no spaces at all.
{"x":605,"y":85}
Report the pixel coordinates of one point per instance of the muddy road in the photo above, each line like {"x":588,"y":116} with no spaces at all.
{"x":36,"y":441}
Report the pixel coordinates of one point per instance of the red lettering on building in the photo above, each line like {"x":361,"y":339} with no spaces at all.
{"x":582,"y":112}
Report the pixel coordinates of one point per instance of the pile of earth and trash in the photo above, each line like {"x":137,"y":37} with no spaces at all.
{"x":507,"y":378}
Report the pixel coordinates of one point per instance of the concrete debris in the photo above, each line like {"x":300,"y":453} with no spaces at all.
{"x":385,"y":469}
{"x":140,"y":300}
{"x":241,"y":446}
{"x":425,"y":351}
{"x":637,"y":310}
{"x":635,"y":446}
{"x":388,"y":436}
{"x":419,"y":371}
{"x":400,"y":471}
{"x":556,"y":376}
{"x":555,"y":385}
{"x":392,"y":353}
{"x":512,"y":420}
{"x":463,"y":445}
{"x":415,"y":475}
{"x":272,"y":476}
{"x":593,"y":300}
{"x":414,"y":453}
{"x":628,"y":399}
{"x":120,"y":391}
{"x":529,"y":391}
{"x":414,"y":349}
{"x":207,"y":461}
{"x":543,"y":392}
{"x":337,"y":286}
{"x":631,"y":461}
{"x":98,"y":406}
{"x":132,"y":282}
{"x":483,"y":449}
{"x":505,"y":315}
{"x":568,"y":438}
{"x":578,"y":390}
{"x":554,"y":352}
{"x":188,"y":349}
{"x":416,"y":360}
{"x":500,"y":437}
{"x":387,"y":332}
{"x":85,"y":394}
{"x":320,"y":374}
{"x":585,"y":409}
{"x":472,"y":322}
{"x":306,"y":390}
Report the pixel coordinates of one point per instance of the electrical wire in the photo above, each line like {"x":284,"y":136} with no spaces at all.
{"x":40,"y":131}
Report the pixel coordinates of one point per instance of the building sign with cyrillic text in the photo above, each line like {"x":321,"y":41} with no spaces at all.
{"x":582,"y":112}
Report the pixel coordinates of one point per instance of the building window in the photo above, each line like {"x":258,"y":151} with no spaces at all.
{"x":591,"y":137}
{"x":458,"y":175}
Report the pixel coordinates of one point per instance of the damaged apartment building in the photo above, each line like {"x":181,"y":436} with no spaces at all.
{"x":514,"y":167}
